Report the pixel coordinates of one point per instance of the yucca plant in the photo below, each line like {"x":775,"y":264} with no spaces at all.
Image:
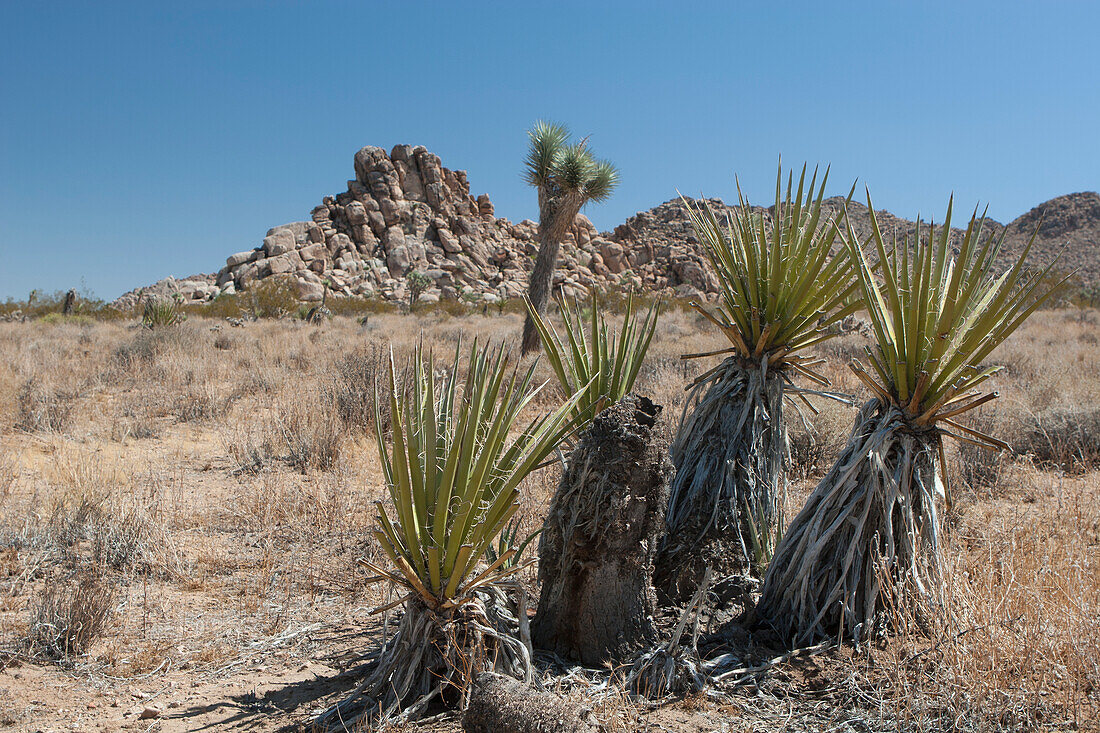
{"x":159,"y":312}
{"x":863,"y":552}
{"x":782,"y":289}
{"x":453,"y":472}
{"x":595,"y":363}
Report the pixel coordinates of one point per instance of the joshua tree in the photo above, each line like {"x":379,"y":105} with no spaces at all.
{"x":781,"y":290}
{"x":866,"y":544}
{"x":457,"y":458}
{"x":567,"y":177}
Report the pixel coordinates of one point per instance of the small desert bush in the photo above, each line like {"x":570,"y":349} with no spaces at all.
{"x":352,"y":384}
{"x":974,"y":467}
{"x":200,"y":402}
{"x":311,"y":435}
{"x":149,"y":344}
{"x":817,"y":439}
{"x":41,"y":407}
{"x":303,"y":431}
{"x":73,"y":611}
{"x":1067,"y":438}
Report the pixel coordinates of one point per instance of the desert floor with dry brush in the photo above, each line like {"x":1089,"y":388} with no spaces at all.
{"x":181,"y":511}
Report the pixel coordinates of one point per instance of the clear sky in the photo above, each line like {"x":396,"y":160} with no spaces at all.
{"x":150,"y":139}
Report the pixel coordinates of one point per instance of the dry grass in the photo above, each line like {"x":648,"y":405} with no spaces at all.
{"x":216,"y":485}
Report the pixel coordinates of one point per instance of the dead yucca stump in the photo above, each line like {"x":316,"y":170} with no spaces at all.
{"x":863,"y":554}
{"x":597,"y":548}
{"x":499,"y":703}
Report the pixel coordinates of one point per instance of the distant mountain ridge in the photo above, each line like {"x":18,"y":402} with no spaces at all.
{"x":1070,"y":231}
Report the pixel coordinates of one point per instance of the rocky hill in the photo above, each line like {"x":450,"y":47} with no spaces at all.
{"x":404,"y":213}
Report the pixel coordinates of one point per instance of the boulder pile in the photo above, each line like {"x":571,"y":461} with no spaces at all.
{"x":405,"y":213}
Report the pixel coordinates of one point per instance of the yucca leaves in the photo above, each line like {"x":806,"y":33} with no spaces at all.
{"x":454,"y":469}
{"x":937,"y":315}
{"x":781,"y":287}
{"x":593,"y":364}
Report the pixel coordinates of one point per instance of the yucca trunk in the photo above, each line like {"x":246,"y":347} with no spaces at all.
{"x":727,"y":496}
{"x":862,"y":555}
{"x":433,"y":657}
{"x":555,"y":219}
{"x":600,"y":538}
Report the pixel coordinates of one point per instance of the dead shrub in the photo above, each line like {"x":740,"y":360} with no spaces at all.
{"x":200,"y":403}
{"x":974,"y":467}
{"x":73,"y":611}
{"x":1067,"y":438}
{"x":222,"y":342}
{"x":304,"y":433}
{"x":7,"y":474}
{"x":311,"y":435}
{"x":41,"y":408}
{"x":816,"y":440}
{"x":352,"y":385}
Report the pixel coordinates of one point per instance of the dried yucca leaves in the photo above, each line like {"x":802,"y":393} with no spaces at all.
{"x":862,"y":555}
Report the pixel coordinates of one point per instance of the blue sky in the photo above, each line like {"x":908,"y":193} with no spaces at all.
{"x":151,"y":139}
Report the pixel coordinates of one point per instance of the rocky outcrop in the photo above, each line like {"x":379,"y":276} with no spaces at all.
{"x":661,"y":251}
{"x":403,"y":213}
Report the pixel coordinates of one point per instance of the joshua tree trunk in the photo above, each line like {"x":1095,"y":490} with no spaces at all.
{"x":70,"y":301}
{"x":862,"y":555}
{"x":556,"y":215}
{"x":600,"y":538}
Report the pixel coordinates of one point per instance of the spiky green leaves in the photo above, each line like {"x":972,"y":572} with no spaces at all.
{"x":596,"y":365}
{"x":454,"y":470}
{"x":937,"y":316}
{"x":567,"y":169}
{"x":782,"y":286}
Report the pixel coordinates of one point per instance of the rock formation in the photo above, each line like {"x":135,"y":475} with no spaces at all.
{"x":404,"y":212}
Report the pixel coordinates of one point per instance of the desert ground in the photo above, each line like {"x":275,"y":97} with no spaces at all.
{"x":181,"y":510}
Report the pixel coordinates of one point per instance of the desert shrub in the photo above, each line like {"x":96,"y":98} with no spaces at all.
{"x":201,"y":402}
{"x":7,"y":474}
{"x":272,"y":297}
{"x":73,"y":611}
{"x":311,"y":436}
{"x":42,"y":408}
{"x":1067,"y":438}
{"x":816,"y":440}
{"x":147,"y":345}
{"x":90,"y":529}
{"x":303,"y":433}
{"x":973,"y":467}
{"x":222,"y":342}
{"x":352,"y":384}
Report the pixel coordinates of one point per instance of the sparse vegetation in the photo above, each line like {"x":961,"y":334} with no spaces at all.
{"x":227,"y":580}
